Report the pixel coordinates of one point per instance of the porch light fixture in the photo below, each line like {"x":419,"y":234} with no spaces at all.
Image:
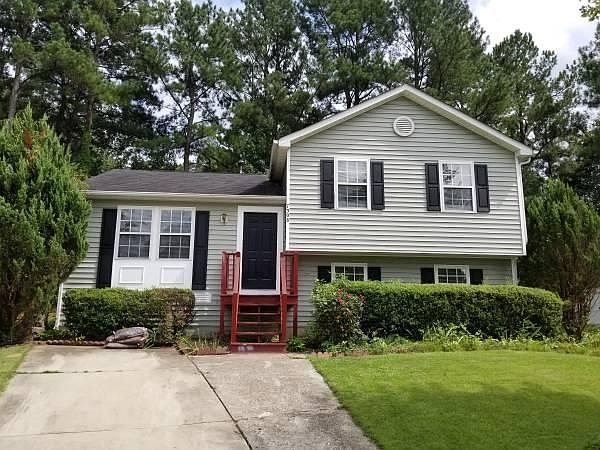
{"x":224,"y":218}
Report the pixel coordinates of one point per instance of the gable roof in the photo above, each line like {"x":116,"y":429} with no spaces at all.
{"x":172,"y":182}
{"x":281,"y":146}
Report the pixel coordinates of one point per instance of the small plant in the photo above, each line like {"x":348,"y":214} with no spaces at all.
{"x":337,"y":313}
{"x":296,"y":344}
{"x":55,"y":334}
{"x":195,"y":346}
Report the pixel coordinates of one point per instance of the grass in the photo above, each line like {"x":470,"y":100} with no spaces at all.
{"x":471,"y":400}
{"x":10,"y":359}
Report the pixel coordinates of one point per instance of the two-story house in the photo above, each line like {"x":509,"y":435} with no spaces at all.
{"x":401,"y":187}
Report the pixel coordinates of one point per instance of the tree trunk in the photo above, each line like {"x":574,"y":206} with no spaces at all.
{"x":14,"y":92}
{"x":86,"y":138}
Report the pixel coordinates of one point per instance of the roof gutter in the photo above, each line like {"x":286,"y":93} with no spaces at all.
{"x":186,"y":197}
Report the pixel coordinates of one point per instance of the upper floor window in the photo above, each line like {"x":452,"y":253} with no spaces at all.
{"x":352,"y":183}
{"x":457,"y":186}
{"x":135,"y":226}
{"x":175,"y":233}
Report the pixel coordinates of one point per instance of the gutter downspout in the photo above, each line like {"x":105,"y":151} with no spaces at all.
{"x":59,"y":302}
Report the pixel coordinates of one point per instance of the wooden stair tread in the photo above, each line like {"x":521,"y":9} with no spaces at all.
{"x":245,"y":313}
{"x":258,"y":323}
{"x":257,"y":333}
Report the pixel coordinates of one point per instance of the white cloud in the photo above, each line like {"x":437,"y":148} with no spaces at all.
{"x":555,"y":24}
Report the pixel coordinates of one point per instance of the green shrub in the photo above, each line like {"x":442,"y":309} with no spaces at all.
{"x":96,"y":313}
{"x":337,"y":313}
{"x":408,"y":310}
{"x":296,"y":344}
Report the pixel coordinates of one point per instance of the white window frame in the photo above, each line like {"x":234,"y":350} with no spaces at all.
{"x":367,"y":161}
{"x":471,"y":164}
{"x":464,"y":267}
{"x":191,"y":233}
{"x":350,"y":264}
{"x":118,"y":233}
{"x":154,"y":234}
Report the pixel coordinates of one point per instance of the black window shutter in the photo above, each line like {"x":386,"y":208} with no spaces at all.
{"x":107,"y":246}
{"x":427,"y":275}
{"x":432,"y":182}
{"x":327,"y":181}
{"x":200,"y":250}
{"x":482,"y":188}
{"x":324,"y":274}
{"x":377,"y":190}
{"x":476,"y":276}
{"x":374,"y":273}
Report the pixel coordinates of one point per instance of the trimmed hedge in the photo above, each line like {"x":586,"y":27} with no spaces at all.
{"x":96,"y":313}
{"x":408,"y":310}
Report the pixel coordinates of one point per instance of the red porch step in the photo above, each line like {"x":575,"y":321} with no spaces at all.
{"x":258,"y":320}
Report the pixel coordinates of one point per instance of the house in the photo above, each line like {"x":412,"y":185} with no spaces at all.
{"x":400,"y":187}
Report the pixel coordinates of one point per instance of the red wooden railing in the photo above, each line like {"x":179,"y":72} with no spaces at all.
{"x":288,"y":287}
{"x":230,"y":286}
{"x":230,"y":291}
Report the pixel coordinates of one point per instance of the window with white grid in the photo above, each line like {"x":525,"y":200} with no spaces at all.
{"x":457,"y":186}
{"x":175,"y":233}
{"x":352,"y":272}
{"x":135,"y":226}
{"x":352,"y":184}
{"x":452,"y":274}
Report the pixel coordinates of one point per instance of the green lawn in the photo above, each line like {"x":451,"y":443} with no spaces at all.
{"x":471,"y":400}
{"x":10,"y":359}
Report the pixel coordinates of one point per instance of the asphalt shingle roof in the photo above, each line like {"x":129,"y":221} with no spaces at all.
{"x":127,"y":180}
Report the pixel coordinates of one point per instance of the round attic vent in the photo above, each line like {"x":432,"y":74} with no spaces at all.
{"x":404,"y":126}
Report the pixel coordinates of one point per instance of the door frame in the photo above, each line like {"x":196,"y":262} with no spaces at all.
{"x":240,"y":244}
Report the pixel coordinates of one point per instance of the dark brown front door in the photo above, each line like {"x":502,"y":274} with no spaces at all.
{"x":259,"y":263}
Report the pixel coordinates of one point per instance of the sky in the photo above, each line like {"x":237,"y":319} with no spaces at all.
{"x":555,"y":24}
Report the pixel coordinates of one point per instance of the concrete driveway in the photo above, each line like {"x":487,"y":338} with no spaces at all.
{"x":91,"y":398}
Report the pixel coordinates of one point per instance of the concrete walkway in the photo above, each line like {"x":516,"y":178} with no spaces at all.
{"x":96,"y":399}
{"x":280,"y":402}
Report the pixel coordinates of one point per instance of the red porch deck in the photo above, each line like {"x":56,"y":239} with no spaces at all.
{"x":259,"y":322}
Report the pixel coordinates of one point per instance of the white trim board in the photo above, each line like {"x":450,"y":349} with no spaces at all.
{"x":240,"y":244}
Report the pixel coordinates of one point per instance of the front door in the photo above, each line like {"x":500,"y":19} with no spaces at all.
{"x":259,"y":263}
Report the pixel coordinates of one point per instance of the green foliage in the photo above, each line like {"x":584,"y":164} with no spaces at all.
{"x":591,"y":11}
{"x":273,"y":97}
{"x":192,"y":60}
{"x":205,"y":345}
{"x":51,"y":334}
{"x":337,"y":314}
{"x":96,"y":313}
{"x":43,"y":218}
{"x":408,"y":310}
{"x":296,"y":344}
{"x":563,"y":252}
{"x":456,"y":338}
{"x":351,"y":43}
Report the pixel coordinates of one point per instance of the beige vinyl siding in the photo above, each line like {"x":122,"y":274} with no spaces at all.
{"x":405,"y":226}
{"x":406,"y":270}
{"x":220,"y":237}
